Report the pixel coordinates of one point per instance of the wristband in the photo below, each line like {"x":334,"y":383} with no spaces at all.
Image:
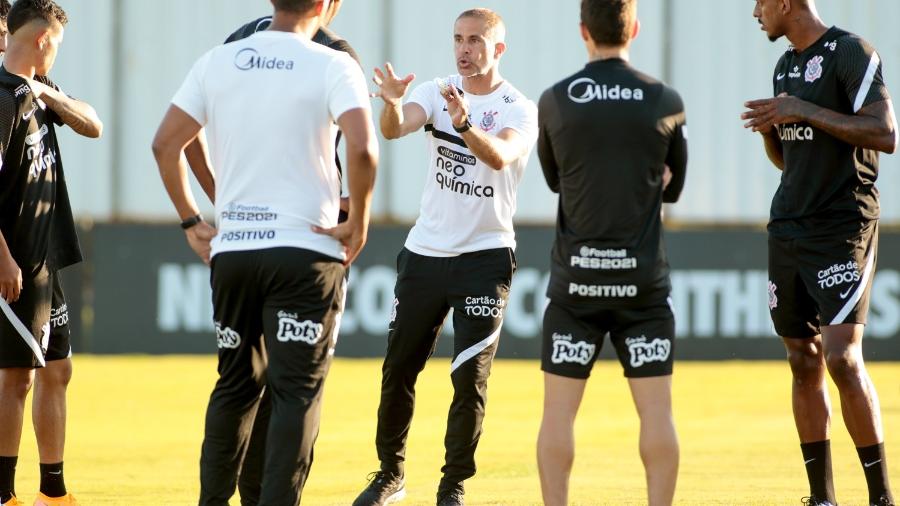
{"x":463,"y":129}
{"x":190,"y":222}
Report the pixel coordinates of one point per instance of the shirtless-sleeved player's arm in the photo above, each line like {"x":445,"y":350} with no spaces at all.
{"x":547,"y":115}
{"x":677,"y":157}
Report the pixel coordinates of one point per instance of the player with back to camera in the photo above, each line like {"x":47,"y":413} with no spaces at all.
{"x":830,"y":118}
{"x":279,"y":255}
{"x":196,"y":153}
{"x":613,"y":145}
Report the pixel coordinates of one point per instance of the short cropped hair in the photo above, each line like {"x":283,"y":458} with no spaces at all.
{"x":295,"y":6}
{"x":23,"y":12}
{"x":4,"y":9}
{"x":493,"y":23}
{"x":609,"y":21}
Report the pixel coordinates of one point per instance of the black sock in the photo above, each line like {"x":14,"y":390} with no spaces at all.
{"x":817,"y":457}
{"x":52,"y":482}
{"x":397,"y":469}
{"x":7,"y":478}
{"x":875,"y":466}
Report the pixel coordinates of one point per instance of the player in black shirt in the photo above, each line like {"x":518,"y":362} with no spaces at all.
{"x":38,"y":239}
{"x":607,"y":135}
{"x":830,"y":118}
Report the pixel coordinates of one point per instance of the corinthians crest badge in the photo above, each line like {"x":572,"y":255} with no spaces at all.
{"x":814,"y":69}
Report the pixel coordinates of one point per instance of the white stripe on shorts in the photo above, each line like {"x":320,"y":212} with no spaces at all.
{"x":860,"y":290}
{"x":474,"y":350}
{"x":26,"y":336}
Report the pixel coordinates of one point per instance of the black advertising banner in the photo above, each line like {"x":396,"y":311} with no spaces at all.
{"x":151,"y":295}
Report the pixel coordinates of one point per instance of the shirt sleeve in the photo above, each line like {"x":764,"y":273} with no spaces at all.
{"x":859,"y":72}
{"x":51,"y":113}
{"x":423,"y":95}
{"x":677,"y":156}
{"x":249,"y":29}
{"x":8,"y":112}
{"x":347,"y":87}
{"x":546,"y":114}
{"x":523,"y":118}
{"x":191,"y":97}
{"x":345,"y":47}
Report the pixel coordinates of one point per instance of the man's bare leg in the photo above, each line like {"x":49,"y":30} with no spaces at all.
{"x":556,"y":440}
{"x":658,"y":440}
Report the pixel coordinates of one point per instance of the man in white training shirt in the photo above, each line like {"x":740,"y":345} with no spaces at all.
{"x":459,"y":254}
{"x":271,"y":105}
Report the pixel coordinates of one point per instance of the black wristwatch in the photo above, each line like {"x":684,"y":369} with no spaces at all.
{"x":463,"y":129}
{"x":190,"y":222}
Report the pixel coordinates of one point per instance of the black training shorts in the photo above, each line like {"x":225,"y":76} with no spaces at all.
{"x":820,"y":281}
{"x":644,"y":338}
{"x":40,"y":313}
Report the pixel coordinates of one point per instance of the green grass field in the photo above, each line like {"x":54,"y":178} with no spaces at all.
{"x":135,"y":425}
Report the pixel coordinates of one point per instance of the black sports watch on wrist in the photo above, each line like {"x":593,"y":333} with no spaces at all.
{"x":463,"y":129}
{"x":190,"y":222}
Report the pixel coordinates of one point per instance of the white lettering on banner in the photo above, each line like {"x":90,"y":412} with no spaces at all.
{"x":884,"y":309}
{"x":371,"y":297}
{"x":526,"y":303}
{"x":708,"y":303}
{"x":184,"y":302}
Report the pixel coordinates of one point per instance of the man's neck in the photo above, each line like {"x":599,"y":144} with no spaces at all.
{"x":483,"y":84}
{"x":16,"y":63}
{"x":598,"y":53}
{"x":305,"y":25}
{"x":805,"y":30}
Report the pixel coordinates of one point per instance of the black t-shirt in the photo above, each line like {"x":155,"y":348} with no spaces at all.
{"x":35,"y":212}
{"x":827,"y":183}
{"x":606,"y":134}
{"x":324,"y":36}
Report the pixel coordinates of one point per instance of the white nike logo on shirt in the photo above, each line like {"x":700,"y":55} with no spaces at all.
{"x":808,"y":461}
{"x":779,"y":77}
{"x":27,"y":116}
{"x":870,"y":464}
{"x":845,"y":294}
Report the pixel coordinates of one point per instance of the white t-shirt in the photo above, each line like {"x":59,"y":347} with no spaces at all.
{"x":468,"y":206}
{"x":269,"y":104}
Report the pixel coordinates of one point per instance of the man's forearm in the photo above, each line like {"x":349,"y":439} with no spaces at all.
{"x":392,"y":120}
{"x":77,"y":115}
{"x":175,"y":178}
{"x":774,"y":149}
{"x":197,"y":159}
{"x":495,"y":152}
{"x":866,"y":132}
{"x":361,"y":170}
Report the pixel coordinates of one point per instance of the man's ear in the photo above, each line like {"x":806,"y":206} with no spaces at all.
{"x":636,"y":30}
{"x":499,"y":49}
{"x":585,"y":34}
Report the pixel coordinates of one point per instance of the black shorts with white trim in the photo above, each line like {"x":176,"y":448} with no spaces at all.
{"x":823,"y":280}
{"x":644,"y":339}
{"x":40,"y":317}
